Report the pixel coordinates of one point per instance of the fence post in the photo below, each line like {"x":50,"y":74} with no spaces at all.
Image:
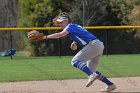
{"x":11,"y":40}
{"x":60,"y":44}
{"x":106,"y":42}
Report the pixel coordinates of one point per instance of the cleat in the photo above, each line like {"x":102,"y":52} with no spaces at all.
{"x":91,"y":79}
{"x":109,"y":88}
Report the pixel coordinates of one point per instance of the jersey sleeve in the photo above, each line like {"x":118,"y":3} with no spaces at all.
{"x":70,"y":28}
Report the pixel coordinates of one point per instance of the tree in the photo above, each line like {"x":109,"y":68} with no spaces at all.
{"x":108,"y":12}
{"x":87,"y":12}
{"x":119,"y":12}
{"x":8,"y":18}
{"x":38,"y":13}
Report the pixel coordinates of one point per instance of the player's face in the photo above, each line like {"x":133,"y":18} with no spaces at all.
{"x":63,"y":24}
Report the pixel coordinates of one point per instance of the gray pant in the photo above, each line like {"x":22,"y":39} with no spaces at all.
{"x":91,"y":54}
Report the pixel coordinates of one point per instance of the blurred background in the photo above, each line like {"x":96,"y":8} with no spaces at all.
{"x":39,"y":13}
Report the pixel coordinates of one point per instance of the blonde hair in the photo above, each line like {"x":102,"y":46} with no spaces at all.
{"x":63,"y":14}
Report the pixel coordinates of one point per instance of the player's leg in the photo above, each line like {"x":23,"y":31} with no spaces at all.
{"x":79,"y":62}
{"x":91,"y":50}
{"x":92,"y":64}
{"x":110,"y":85}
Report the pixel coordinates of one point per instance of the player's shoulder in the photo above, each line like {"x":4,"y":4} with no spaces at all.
{"x":72,"y":25}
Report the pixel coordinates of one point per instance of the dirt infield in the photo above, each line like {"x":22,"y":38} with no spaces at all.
{"x":124,"y":85}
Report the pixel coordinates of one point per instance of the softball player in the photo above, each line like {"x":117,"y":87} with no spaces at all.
{"x":87,"y":59}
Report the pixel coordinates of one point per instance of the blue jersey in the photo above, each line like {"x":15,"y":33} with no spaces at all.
{"x":78,"y":34}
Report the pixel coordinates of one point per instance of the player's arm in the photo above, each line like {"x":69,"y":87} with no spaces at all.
{"x":57,"y":35}
{"x":35,"y":36}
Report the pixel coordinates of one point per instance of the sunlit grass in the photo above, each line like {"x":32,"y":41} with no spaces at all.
{"x":43,"y":68}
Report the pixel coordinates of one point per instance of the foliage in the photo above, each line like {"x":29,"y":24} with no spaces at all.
{"x":108,"y":12}
{"x":36,"y":13}
{"x":135,"y":19}
{"x":39,"y":13}
{"x":101,"y":12}
{"x":87,"y":12}
{"x":118,"y":12}
{"x":137,"y":2}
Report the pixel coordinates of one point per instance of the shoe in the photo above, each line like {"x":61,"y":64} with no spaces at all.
{"x":91,"y":79}
{"x":109,"y":88}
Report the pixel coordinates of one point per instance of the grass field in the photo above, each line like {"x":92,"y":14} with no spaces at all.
{"x":43,"y":68}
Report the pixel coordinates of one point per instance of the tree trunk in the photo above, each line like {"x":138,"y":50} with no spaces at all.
{"x":8,"y":18}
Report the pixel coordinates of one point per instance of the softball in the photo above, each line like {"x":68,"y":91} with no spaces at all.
{"x":73,"y":47}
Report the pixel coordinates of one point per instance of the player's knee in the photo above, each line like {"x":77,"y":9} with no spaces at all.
{"x":72,"y":62}
{"x":76,"y":63}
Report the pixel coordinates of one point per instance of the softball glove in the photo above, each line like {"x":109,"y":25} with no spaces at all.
{"x":35,"y":36}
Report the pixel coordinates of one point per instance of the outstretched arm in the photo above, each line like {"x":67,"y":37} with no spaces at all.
{"x":35,"y":36}
{"x":57,"y":35}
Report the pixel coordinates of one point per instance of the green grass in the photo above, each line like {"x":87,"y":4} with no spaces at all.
{"x":44,"y":68}
{"x":120,"y":65}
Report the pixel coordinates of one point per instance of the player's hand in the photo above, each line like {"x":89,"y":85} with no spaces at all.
{"x":73,"y":46}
